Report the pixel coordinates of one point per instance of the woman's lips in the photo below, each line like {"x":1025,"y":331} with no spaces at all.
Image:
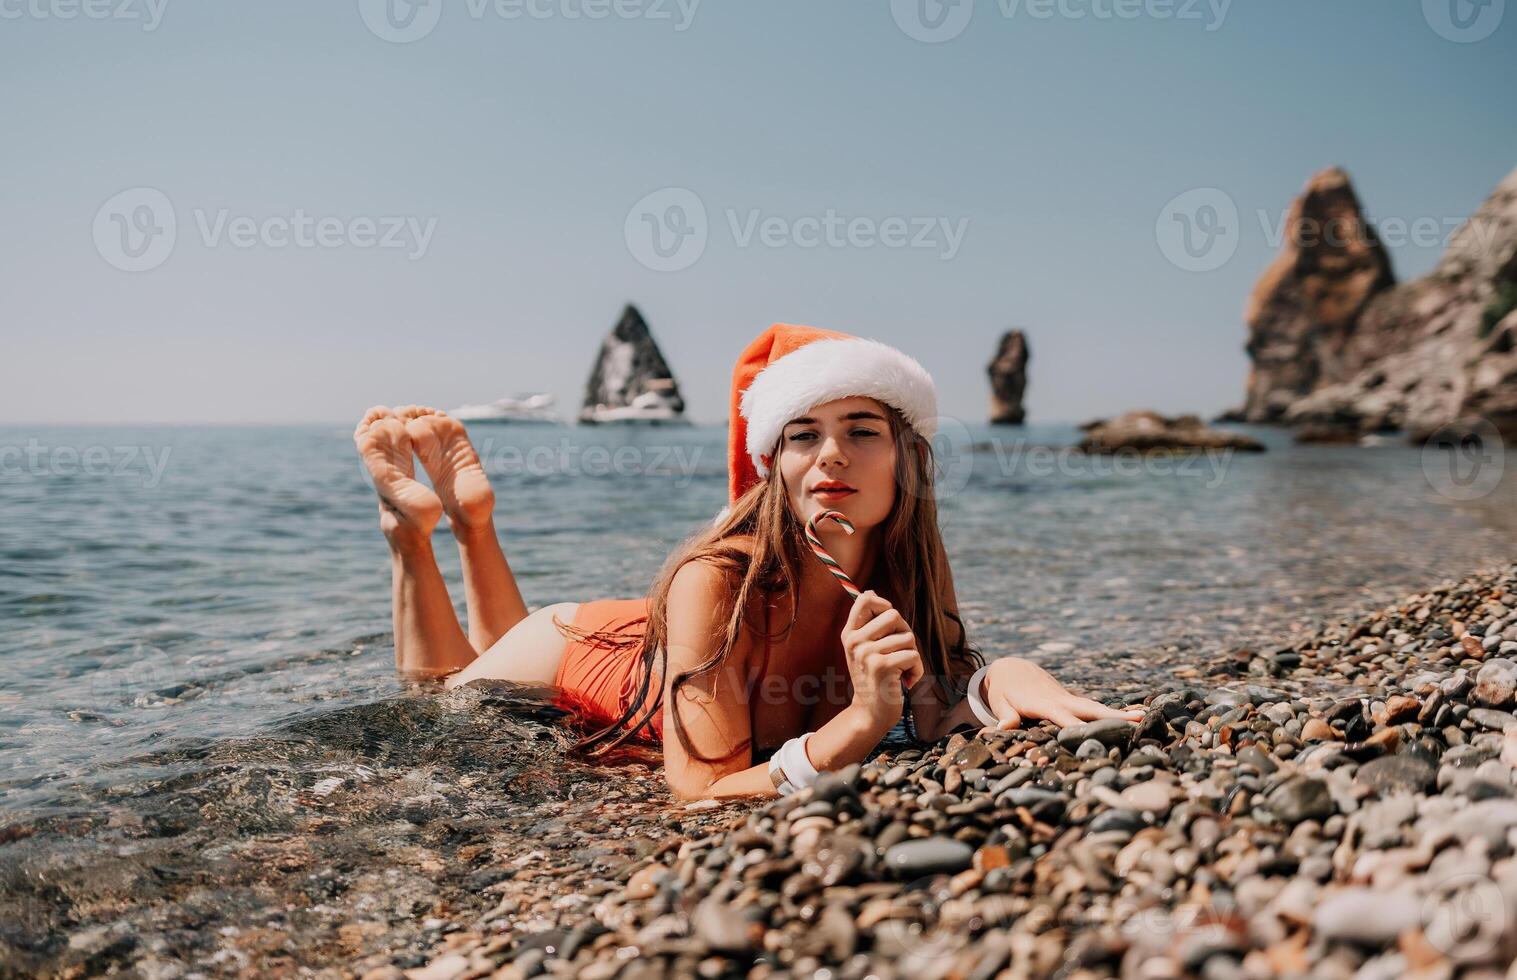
{"x":833,"y":493}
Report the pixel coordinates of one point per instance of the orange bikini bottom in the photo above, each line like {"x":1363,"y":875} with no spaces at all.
{"x":600,"y":679}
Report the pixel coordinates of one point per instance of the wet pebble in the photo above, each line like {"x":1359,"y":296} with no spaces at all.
{"x":1301,"y":798}
{"x":1109,"y":732}
{"x":1394,"y":774}
{"x":934,"y":855}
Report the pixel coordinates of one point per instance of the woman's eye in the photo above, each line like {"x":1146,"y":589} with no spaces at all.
{"x":856,"y":433}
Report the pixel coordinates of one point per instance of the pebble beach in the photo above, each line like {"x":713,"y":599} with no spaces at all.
{"x":1341,"y":805}
{"x":1195,"y":324}
{"x":211,"y":769}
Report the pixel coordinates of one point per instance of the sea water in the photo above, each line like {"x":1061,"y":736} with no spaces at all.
{"x":198,"y":667}
{"x":181,"y":583}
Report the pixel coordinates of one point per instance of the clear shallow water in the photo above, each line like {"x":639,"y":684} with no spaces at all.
{"x":207,"y":763}
{"x":201,"y":586}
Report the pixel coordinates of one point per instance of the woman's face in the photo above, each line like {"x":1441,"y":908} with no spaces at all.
{"x":846,"y":442}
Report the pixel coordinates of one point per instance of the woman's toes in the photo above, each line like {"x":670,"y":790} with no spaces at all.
{"x":452,"y":464}
{"x":373,"y":415}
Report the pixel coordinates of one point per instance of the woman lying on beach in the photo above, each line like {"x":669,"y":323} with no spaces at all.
{"x":820,"y":421}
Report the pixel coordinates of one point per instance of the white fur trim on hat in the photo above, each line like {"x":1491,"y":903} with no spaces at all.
{"x":825,"y":370}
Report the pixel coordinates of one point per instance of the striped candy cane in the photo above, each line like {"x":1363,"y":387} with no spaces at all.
{"x":821,"y":552}
{"x":847,"y":583}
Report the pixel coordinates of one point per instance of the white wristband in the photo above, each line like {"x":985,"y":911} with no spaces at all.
{"x":798,"y":770}
{"x":976,"y":703}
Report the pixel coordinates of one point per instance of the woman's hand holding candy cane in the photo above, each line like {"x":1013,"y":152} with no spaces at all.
{"x":882,"y":658}
{"x":883,"y":661}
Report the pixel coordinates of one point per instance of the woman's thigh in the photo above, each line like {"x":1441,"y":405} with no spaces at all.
{"x":529,"y":653}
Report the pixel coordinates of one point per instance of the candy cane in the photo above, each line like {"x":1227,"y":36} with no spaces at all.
{"x":845,"y":581}
{"x":828,"y":560}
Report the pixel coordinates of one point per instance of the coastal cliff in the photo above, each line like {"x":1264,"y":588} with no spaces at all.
{"x":1337,"y":347}
{"x":1305,"y":308}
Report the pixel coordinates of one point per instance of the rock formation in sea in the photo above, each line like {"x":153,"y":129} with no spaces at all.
{"x":1151,"y":432}
{"x":1337,"y":347}
{"x":1304,"y":309}
{"x":631,"y":380}
{"x":1008,"y":379}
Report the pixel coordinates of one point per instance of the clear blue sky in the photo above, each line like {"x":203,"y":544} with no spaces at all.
{"x":1053,"y":143}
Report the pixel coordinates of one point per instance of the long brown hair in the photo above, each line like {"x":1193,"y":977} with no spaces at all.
{"x":912,"y":573}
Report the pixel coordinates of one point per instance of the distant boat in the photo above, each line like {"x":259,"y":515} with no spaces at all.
{"x":631,"y":381}
{"x":651,"y":406}
{"x":525,"y":408}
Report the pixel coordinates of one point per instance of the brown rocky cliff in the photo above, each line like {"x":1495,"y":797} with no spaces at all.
{"x":1303,"y":311}
{"x":1440,"y":348}
{"x":1337,"y":349}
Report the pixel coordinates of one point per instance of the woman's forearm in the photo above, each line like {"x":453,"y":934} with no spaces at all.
{"x":932,"y":720}
{"x":960,"y":714}
{"x":847,"y":738}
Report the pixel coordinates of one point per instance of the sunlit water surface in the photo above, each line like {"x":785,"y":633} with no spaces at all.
{"x":198,"y":620}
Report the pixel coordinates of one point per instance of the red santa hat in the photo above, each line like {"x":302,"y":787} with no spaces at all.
{"x":788,"y":369}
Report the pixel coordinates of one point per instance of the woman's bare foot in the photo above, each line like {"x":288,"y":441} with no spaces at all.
{"x":453,"y":466}
{"x":405,"y":506}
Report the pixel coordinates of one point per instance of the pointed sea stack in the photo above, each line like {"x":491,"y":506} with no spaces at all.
{"x":1008,"y":379}
{"x":1304,"y":309}
{"x":631,"y":381}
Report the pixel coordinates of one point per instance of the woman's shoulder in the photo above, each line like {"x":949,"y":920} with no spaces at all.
{"x":701,"y":597}
{"x":715,"y":579}
{"x":715,"y":574}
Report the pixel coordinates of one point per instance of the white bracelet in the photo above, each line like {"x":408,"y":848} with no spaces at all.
{"x":796,"y":766}
{"x":976,"y":703}
{"x":777,"y":776}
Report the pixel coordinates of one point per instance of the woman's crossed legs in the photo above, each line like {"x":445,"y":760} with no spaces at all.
{"x":503,"y":641}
